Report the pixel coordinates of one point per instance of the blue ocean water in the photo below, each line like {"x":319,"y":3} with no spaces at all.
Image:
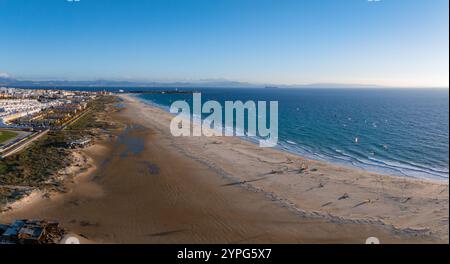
{"x":400,"y":132}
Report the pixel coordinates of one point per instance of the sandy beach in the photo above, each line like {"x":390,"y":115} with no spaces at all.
{"x":142,"y":185}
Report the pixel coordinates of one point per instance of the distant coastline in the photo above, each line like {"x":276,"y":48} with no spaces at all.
{"x":108,"y":84}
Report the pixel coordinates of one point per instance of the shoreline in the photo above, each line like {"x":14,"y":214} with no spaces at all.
{"x":288,"y":152}
{"x":242,"y":178}
{"x":285,"y":149}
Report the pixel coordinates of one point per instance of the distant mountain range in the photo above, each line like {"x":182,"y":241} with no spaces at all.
{"x":111,"y":83}
{"x":11,"y":82}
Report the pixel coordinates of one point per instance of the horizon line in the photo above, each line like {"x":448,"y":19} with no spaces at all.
{"x":213,"y":82}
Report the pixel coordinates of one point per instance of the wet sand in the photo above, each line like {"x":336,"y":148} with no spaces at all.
{"x":144,"y":186}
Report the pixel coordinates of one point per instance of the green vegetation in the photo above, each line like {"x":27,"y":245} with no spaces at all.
{"x":37,"y":163}
{"x":7,"y":135}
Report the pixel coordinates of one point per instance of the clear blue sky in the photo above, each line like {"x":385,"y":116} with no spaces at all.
{"x":390,"y":42}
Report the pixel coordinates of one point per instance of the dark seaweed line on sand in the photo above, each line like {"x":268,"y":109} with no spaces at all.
{"x":285,"y":203}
